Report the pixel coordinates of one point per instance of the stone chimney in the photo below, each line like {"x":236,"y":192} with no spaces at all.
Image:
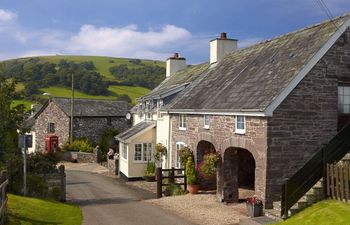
{"x":174,"y":64}
{"x":221,"y":46}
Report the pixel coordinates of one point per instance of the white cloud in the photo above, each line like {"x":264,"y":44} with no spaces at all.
{"x":6,"y":15}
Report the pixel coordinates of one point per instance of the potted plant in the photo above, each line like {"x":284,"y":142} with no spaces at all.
{"x":185,"y":153}
{"x":254,"y":206}
{"x":149,"y":174}
{"x":208,"y":166}
{"x":192,"y":176}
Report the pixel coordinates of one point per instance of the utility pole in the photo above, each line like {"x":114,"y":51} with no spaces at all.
{"x":72,"y":111}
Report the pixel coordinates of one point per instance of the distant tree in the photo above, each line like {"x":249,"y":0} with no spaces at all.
{"x":124,"y":97}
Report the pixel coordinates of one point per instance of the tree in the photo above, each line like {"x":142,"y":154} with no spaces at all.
{"x":124,"y":97}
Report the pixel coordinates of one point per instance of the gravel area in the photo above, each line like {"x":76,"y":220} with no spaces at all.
{"x":204,"y":208}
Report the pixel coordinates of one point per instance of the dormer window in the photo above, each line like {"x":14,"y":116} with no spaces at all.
{"x":240,"y":125}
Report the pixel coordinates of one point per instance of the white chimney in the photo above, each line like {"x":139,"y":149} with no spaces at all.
{"x":219,"y":47}
{"x":174,"y":64}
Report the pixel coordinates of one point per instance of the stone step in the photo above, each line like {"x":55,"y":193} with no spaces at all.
{"x":311,"y":198}
{"x":277,"y":205}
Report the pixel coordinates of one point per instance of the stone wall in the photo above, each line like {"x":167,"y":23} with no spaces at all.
{"x":56,"y":183}
{"x":83,"y":157}
{"x":307,"y":118}
{"x":221,"y":135}
{"x":51,"y":114}
{"x":93,"y":127}
{"x":113,"y":166}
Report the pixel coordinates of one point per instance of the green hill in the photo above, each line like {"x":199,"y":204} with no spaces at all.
{"x":109,"y":76}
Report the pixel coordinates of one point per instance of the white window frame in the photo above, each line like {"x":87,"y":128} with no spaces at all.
{"x":125,"y":151}
{"x":206,"y":121}
{"x":182,"y":122}
{"x":51,"y":128}
{"x":344,"y":99}
{"x":239,"y":130}
{"x":179,"y":145}
{"x":145,"y":154}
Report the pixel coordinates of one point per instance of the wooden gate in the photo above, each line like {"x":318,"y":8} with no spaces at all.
{"x":171,"y":176}
{"x":338,"y":181}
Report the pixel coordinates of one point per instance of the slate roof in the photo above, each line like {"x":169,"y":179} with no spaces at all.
{"x":135,"y":130}
{"x":93,"y":108}
{"x":176,"y":81}
{"x":251,"y":78}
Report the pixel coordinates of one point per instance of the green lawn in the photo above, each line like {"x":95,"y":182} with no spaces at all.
{"x":33,"y":211}
{"x":26,"y":103}
{"x":133,"y":92}
{"x":326,"y":212}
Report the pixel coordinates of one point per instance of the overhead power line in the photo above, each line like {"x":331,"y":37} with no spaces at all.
{"x":328,"y":13}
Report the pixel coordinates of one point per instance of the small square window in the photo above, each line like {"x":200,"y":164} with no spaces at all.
{"x":51,"y":128}
{"x":240,"y":125}
{"x":206,"y":121}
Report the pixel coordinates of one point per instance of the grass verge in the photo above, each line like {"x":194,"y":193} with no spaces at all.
{"x":30,"y":211}
{"x":322,"y":213}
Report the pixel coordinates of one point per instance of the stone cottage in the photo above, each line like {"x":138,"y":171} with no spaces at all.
{"x":264,"y":109}
{"x":91,"y":118}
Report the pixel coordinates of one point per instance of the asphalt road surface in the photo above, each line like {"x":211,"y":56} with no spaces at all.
{"x":107,"y":201}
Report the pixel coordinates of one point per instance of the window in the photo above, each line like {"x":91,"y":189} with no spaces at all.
{"x":240,"y":125}
{"x":179,"y":146}
{"x":159,"y":107}
{"x":206,"y":121}
{"x":344,"y":99}
{"x":125,"y":150}
{"x":143,"y":152}
{"x":109,"y":121}
{"x":182,"y":122}
{"x":51,"y":128}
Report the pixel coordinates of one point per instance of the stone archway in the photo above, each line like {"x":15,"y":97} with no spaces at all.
{"x":203,"y":148}
{"x":237,"y":171}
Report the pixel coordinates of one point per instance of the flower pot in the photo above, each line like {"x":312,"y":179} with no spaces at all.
{"x":149,"y":178}
{"x":193,"y":188}
{"x":254,"y":210}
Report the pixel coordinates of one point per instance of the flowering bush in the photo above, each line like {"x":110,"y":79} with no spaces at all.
{"x":185,"y":153}
{"x":208,"y":166}
{"x":254,"y":201}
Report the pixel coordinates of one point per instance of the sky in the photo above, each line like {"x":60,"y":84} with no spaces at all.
{"x":148,"y":29}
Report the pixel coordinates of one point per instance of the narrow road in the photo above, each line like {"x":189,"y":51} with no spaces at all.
{"x":107,"y":201}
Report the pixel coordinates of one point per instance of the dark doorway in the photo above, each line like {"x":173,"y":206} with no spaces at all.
{"x":203,"y":148}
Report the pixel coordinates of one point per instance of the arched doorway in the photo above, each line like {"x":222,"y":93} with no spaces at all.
{"x":203,"y":148}
{"x":238,"y":174}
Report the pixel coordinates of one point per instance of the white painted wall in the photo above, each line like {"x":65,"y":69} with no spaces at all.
{"x":220,"y":47}
{"x":132,"y":168}
{"x":163,"y":132}
{"x":174,"y":64}
{"x":32,"y":149}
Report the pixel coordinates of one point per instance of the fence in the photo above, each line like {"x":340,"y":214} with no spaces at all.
{"x":171,"y":176}
{"x":338,"y":181}
{"x":3,"y":197}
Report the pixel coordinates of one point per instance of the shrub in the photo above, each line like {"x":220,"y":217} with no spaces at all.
{"x":208,"y":167}
{"x":55,"y":193}
{"x":174,"y":189}
{"x":185,"y":153}
{"x":36,"y":186}
{"x":191,"y":173}
{"x":79,"y":145}
{"x":150,"y":169}
{"x":107,"y":140}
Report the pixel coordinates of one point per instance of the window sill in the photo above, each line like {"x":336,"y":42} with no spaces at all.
{"x":240,"y":132}
{"x":206,"y":127}
{"x":182,"y":128}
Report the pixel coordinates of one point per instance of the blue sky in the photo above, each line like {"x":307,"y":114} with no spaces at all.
{"x":148,"y":29}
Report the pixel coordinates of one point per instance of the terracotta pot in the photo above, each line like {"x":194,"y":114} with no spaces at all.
{"x":193,"y":188}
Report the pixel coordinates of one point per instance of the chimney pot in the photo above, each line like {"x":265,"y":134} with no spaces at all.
{"x":176,"y":55}
{"x":223,"y":35}
{"x":174,"y":64}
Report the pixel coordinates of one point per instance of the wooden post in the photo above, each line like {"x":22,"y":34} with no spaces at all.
{"x":346,"y":175}
{"x":331,"y":166}
{"x":159,"y":181}
{"x":341,"y":182}
{"x":336,"y":181}
{"x":325,"y":180}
